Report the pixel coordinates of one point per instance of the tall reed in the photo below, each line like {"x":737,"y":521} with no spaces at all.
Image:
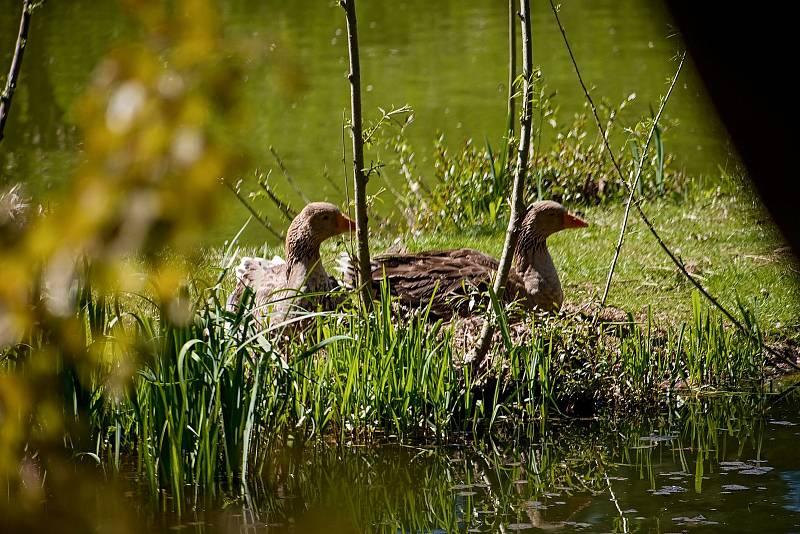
{"x":212,"y":394}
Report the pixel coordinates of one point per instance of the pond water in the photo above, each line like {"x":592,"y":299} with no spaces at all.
{"x":446,"y":59}
{"x":725,"y":463}
{"x":729,"y":463}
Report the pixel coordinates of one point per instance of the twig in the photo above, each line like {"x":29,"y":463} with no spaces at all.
{"x":253,"y":212}
{"x":635,"y":182}
{"x":289,"y":178}
{"x":678,"y":263}
{"x":512,"y":65}
{"x":386,"y":116}
{"x":284,"y":207}
{"x":16,"y":65}
{"x":359,"y":177}
{"x":478,"y":357}
{"x":616,"y":504}
{"x":326,"y":175}
{"x":345,"y":181}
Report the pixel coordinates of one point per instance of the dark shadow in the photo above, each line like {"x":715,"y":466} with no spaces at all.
{"x":746,"y":57}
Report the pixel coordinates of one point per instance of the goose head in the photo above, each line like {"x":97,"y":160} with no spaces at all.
{"x":543,"y":219}
{"x":317,"y":222}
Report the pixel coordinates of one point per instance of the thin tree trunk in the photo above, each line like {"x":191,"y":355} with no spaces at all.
{"x":479,"y":356}
{"x":16,"y":65}
{"x":512,"y":65}
{"x":359,"y":177}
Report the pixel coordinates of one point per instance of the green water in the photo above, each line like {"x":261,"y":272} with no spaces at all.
{"x":446,"y":59}
{"x":726,"y":464}
{"x":729,"y":463}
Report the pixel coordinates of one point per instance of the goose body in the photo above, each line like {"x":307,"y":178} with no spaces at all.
{"x":276,"y":282}
{"x":450,"y":279}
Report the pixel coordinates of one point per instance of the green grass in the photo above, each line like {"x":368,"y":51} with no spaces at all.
{"x":208,"y":397}
{"x":732,"y":247}
{"x":211,"y":396}
{"x":727,"y":240}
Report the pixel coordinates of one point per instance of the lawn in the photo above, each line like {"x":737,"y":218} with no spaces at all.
{"x":723,"y":235}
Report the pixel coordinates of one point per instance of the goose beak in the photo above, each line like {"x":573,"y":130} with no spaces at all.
{"x":345,"y":224}
{"x":572,"y":221}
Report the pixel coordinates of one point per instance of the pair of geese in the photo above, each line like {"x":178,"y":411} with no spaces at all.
{"x":443,"y":279}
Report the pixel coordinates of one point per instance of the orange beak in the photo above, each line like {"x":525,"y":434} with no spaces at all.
{"x":571,"y":221}
{"x":345,"y":225}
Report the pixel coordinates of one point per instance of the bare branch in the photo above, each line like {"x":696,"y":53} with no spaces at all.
{"x":253,"y":211}
{"x":635,"y":182}
{"x":359,"y":177}
{"x":326,"y":175}
{"x":478,"y":358}
{"x":16,"y":65}
{"x":289,"y":178}
{"x":283,"y":206}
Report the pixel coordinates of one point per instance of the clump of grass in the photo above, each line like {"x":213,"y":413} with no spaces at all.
{"x":469,"y":185}
{"x":212,"y":393}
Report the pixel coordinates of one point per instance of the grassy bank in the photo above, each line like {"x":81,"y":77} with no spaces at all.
{"x":211,"y":395}
{"x":198,"y":394}
{"x":727,"y":241}
{"x":724,"y":236}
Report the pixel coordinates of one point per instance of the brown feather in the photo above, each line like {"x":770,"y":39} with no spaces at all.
{"x":449,"y":279}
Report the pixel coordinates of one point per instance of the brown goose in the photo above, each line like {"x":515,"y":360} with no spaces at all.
{"x":276,"y":280}
{"x":453,"y":275}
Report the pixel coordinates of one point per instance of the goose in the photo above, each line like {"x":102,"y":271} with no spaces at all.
{"x":448,"y":278}
{"x":274,"y":281}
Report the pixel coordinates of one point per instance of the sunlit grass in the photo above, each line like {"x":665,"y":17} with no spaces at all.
{"x":727,"y":240}
{"x":209,"y":395}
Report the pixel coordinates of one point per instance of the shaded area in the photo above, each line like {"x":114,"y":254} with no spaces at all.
{"x":740,"y":53}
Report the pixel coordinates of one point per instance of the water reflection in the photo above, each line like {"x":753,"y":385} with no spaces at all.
{"x":727,"y":463}
{"x":792,"y":497}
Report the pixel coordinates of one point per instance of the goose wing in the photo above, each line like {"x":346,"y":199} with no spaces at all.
{"x":448,"y":278}
{"x":262,"y":276}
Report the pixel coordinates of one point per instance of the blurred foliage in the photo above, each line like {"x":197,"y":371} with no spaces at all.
{"x":153,"y":120}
